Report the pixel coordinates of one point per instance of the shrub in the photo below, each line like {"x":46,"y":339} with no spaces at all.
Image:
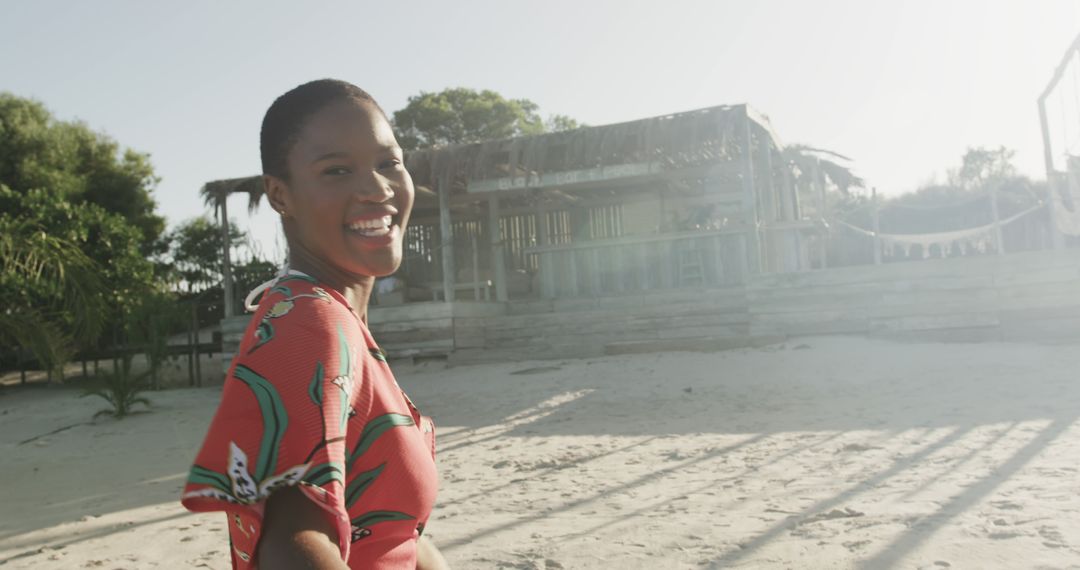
{"x":121,"y":389}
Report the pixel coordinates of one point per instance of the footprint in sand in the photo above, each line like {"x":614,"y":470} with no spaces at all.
{"x":854,"y":545}
{"x":1053,"y":538}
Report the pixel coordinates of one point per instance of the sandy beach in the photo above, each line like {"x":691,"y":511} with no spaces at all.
{"x":819,"y":453}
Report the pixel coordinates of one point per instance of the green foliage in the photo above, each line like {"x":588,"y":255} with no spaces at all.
{"x":964,"y":199}
{"x":980,"y":166}
{"x":460,"y":115}
{"x":67,"y":272}
{"x":195,"y":248}
{"x":121,"y":389}
{"x":249,"y":275}
{"x":559,"y":123}
{"x":82,"y":166}
{"x":53,"y":291}
{"x":149,"y":322}
{"x":77,"y":224}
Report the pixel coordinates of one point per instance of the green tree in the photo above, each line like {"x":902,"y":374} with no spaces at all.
{"x":195,"y":248}
{"x":93,"y":276}
{"x":805,"y":160}
{"x":82,"y":166}
{"x":460,"y":115}
{"x":981,"y":166}
{"x":55,"y":298}
{"x":963,"y":200}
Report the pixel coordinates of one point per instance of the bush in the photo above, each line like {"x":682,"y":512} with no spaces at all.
{"x":121,"y":389}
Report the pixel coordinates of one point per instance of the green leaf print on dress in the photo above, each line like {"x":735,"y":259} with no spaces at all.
{"x":264,"y":331}
{"x":361,"y":524}
{"x":239,"y":484}
{"x":360,"y":484}
{"x":344,"y":379}
{"x":376,"y":428}
{"x":371,"y":432}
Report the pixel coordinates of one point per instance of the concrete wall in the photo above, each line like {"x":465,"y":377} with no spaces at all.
{"x":1033,"y":296}
{"x":1028,"y":297}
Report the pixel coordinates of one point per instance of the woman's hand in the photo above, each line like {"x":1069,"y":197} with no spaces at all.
{"x":428,"y":557}
{"x":297,"y":535}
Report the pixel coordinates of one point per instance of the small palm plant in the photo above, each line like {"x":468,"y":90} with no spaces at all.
{"x":121,"y":389}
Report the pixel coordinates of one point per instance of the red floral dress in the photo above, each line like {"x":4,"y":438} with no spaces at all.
{"x":310,"y":402}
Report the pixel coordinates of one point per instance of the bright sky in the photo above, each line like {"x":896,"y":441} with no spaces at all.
{"x":901,"y":87}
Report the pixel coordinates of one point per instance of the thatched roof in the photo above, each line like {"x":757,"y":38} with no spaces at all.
{"x":214,"y":192}
{"x":680,"y":140}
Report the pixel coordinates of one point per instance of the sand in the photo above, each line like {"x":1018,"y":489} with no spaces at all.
{"x":821,"y":453}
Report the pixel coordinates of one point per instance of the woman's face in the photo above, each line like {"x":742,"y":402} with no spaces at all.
{"x":349,"y":196}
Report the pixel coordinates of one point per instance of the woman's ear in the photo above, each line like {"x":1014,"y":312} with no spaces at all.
{"x":277,"y":193}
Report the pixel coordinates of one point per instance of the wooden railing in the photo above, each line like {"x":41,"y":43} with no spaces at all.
{"x":708,"y":258}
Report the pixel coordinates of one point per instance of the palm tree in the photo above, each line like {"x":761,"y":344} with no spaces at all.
{"x":817,"y":165}
{"x":216,"y":194}
{"x":30,"y":256}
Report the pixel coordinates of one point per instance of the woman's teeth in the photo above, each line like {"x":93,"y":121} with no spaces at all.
{"x":372,"y":228}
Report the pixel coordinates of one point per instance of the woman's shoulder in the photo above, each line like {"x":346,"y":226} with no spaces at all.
{"x":298,"y":303}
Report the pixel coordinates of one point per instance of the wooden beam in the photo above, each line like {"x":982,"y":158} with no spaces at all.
{"x":226,"y":263}
{"x":818,"y":181}
{"x":1056,"y":236}
{"x":547,"y":269}
{"x":775,"y":242}
{"x":498,"y":256}
{"x":875,"y":211}
{"x":999,"y":238}
{"x":750,"y":211}
{"x":446,"y":236}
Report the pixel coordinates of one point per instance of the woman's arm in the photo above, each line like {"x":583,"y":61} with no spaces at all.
{"x":296,"y":535}
{"x":428,"y":557}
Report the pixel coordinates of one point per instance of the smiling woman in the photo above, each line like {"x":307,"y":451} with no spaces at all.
{"x":315,"y":454}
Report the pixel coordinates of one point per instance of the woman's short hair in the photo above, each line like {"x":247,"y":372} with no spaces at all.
{"x":285,"y":118}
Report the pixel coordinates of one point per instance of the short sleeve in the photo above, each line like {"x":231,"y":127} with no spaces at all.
{"x":282,"y":418}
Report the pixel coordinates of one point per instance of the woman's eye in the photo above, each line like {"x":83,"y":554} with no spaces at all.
{"x":389,"y":164}
{"x":336,"y":171}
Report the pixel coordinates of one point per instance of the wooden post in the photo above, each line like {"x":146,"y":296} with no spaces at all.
{"x":475,"y":248}
{"x":999,"y":237}
{"x":790,"y":199}
{"x":547,"y":277}
{"x":641,"y":265}
{"x":744,"y":269}
{"x":594,"y":271}
{"x":498,"y":257}
{"x":875,"y":211}
{"x":446,"y":235}
{"x":226,"y":265}
{"x":749,"y":198}
{"x":718,"y":246}
{"x":1056,"y":236}
{"x":21,"y":365}
{"x":193,"y":341}
{"x":155,"y":380}
{"x":572,"y":272}
{"x":775,"y":241}
{"x":818,"y":181}
{"x":198,"y":352}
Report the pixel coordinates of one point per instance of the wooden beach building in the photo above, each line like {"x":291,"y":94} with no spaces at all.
{"x":700,"y":198}
{"x":604,"y":234}
{"x":679,"y":232}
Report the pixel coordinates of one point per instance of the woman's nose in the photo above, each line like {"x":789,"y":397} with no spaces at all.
{"x":375,"y":188}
